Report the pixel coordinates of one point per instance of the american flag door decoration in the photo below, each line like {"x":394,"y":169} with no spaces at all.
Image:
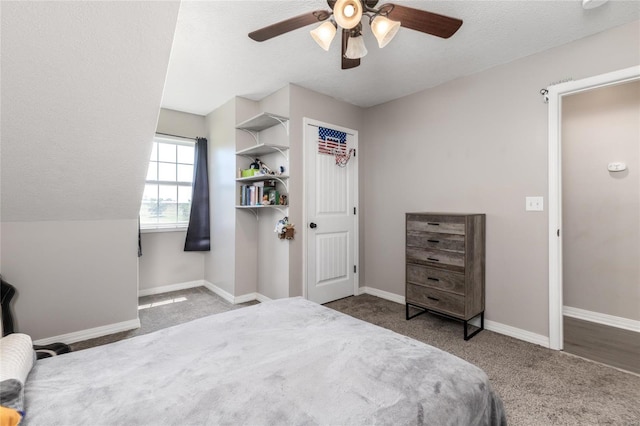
{"x":331,"y":142}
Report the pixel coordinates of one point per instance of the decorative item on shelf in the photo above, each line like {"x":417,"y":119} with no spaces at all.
{"x":284,"y":229}
{"x":265,"y":200}
{"x":264,"y":169}
{"x":283,"y":200}
{"x":274,"y":197}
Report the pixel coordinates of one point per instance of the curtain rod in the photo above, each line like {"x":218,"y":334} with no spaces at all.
{"x":176,"y":136}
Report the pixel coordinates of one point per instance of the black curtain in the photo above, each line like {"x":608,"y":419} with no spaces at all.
{"x":198,"y":230}
{"x":139,"y":239}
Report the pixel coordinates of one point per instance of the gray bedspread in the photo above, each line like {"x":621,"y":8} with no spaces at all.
{"x":289,"y":361}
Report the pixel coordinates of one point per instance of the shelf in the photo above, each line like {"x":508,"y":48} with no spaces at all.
{"x":254,"y":209}
{"x":261,"y":122}
{"x":262,"y":149}
{"x":261,"y":178}
{"x":268,"y":206}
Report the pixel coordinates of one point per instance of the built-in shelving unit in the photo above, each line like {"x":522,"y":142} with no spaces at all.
{"x":261,"y":122}
{"x":262,"y":149}
{"x":254,"y":126}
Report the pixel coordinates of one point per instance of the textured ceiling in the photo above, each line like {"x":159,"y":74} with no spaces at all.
{"x":213,"y":60}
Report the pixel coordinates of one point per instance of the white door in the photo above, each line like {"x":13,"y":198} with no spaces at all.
{"x":331,"y":211}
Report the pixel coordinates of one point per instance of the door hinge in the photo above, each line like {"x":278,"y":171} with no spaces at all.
{"x":558,"y":232}
{"x":354,"y":210}
{"x":354,"y":269}
{"x":354,"y":152}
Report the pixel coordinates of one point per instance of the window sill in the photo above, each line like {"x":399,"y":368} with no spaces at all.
{"x":163,"y":229}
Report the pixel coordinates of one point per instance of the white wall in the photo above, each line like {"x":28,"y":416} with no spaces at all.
{"x":164,"y":261}
{"x":601,"y":209}
{"x":79,"y":99}
{"x":478,"y":144}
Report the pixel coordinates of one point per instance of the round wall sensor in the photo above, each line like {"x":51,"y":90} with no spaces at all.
{"x":592,"y":4}
{"x":617,"y":167}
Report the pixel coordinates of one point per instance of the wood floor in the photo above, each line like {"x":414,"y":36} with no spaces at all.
{"x":609,"y":345}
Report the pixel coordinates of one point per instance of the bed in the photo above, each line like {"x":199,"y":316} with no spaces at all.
{"x":287,"y":361}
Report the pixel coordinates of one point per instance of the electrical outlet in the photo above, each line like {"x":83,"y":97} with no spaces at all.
{"x":534,"y":204}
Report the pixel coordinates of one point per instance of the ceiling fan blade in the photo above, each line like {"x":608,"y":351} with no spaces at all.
{"x":346,"y":62}
{"x":287,"y":25}
{"x":423,"y":21}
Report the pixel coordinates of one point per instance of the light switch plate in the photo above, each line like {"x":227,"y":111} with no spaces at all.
{"x":534,"y":204}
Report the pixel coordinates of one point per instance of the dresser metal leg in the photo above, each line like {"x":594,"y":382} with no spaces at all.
{"x":469,"y":336}
{"x":423,"y":311}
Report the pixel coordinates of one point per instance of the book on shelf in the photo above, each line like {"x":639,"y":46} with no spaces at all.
{"x":252,"y":195}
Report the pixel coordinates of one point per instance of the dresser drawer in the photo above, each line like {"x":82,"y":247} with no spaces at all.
{"x":436,"y":258}
{"x":437,"y":300}
{"x":436,"y":278}
{"x":437,"y":224}
{"x":452,"y":242}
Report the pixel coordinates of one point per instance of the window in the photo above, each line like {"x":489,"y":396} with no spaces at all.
{"x":166,"y":202}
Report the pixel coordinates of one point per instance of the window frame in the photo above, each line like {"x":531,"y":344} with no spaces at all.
{"x":175,"y":226}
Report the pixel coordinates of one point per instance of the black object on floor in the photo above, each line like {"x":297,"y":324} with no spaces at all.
{"x":47,"y":351}
{"x":7,"y":291}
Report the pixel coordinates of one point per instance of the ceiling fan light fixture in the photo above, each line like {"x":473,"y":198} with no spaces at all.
{"x":384,"y":29}
{"x":592,"y":4}
{"x":324,"y":34}
{"x":347,"y":13}
{"x":355,"y":48}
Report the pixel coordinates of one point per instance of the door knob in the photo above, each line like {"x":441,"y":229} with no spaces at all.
{"x":312,"y":225}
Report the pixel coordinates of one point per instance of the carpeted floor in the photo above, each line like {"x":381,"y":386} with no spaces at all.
{"x":538,"y":386}
{"x":169,"y":310}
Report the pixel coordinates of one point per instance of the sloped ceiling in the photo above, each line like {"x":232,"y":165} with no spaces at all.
{"x":81,"y":86}
{"x":213,"y":59}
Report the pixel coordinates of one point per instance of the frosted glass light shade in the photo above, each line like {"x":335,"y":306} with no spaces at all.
{"x":592,"y":4}
{"x":384,"y":29}
{"x":347,"y":13}
{"x":324,"y":34}
{"x":355,"y":48}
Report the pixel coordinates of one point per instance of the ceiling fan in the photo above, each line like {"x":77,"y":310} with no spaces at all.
{"x":385,"y":21}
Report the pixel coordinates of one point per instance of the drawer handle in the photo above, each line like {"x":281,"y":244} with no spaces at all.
{"x":432,"y":279}
{"x":433,"y":298}
{"x":434,"y":241}
{"x":433,"y":259}
{"x":433,"y":223}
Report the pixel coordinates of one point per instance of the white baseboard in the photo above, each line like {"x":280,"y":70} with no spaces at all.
{"x":244,"y":298}
{"x":496,"y":327}
{"x":220,"y":292}
{"x":604,"y":319}
{"x":382,"y":294}
{"x":91,"y":333}
{"x":517,"y":333}
{"x":170,"y":287}
{"x":262,"y":298}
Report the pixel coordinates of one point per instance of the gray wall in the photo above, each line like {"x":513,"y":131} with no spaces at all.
{"x":478,"y":144}
{"x":73,"y":163}
{"x":601,"y":209}
{"x":219,"y":263}
{"x":164,"y":261}
{"x":307,"y":103}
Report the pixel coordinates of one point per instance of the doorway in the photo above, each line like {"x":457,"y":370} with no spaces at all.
{"x":601,"y":224}
{"x":331,"y":211}
{"x":559,"y":96}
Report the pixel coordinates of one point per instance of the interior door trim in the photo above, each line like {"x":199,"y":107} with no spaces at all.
{"x":356,"y":255}
{"x":555,"y":95}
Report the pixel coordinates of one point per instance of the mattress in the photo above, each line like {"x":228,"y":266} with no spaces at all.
{"x":288,"y":361}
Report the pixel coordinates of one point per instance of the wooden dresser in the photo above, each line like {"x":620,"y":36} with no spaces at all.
{"x":445,"y":265}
